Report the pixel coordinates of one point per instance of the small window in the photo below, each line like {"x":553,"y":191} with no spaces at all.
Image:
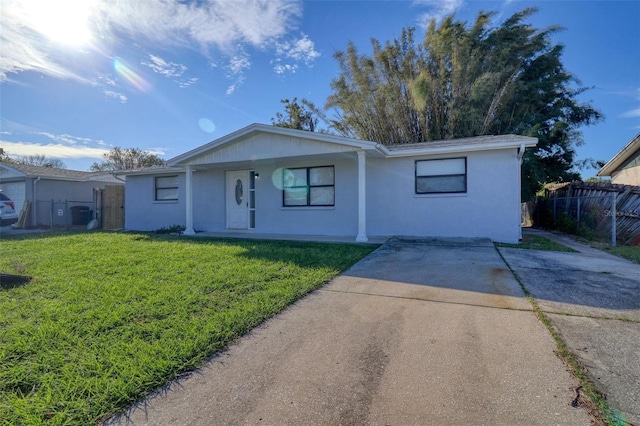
{"x":166,"y":188}
{"x":441,"y":176}
{"x":309,"y":186}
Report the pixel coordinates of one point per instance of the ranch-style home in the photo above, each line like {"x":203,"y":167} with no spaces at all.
{"x":271,"y":180}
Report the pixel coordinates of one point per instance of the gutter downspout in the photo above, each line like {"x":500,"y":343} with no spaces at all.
{"x":34,"y":203}
{"x":116,"y":177}
{"x":520,"y":155}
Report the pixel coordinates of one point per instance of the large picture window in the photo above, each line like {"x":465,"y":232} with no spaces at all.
{"x":308,"y":186}
{"x":441,"y":176}
{"x":166,"y":188}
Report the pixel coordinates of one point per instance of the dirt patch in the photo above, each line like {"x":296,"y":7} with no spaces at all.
{"x":8,"y":281}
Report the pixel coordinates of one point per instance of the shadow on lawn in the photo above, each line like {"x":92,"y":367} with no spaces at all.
{"x":301,"y":253}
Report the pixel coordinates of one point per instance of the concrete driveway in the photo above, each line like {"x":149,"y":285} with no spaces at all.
{"x":593,"y":299}
{"x":420,"y":332}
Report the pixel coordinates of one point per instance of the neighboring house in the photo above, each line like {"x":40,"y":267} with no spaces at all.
{"x":52,"y":192}
{"x":624,"y":167}
{"x":273,"y":180}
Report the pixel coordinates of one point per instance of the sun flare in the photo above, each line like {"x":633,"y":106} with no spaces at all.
{"x":63,"y":21}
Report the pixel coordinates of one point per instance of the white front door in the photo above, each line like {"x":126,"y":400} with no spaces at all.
{"x":238,"y":200}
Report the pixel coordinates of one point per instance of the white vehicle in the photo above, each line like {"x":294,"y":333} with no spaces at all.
{"x":8,"y":213}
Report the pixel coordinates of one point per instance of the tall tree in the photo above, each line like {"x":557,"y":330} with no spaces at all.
{"x":4,"y":156}
{"x":296,"y":116}
{"x":127,"y":159}
{"x":464,"y":81}
{"x":40,"y":160}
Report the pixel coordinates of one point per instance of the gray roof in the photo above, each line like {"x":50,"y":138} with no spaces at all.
{"x":63,"y":174}
{"x":477,"y":140}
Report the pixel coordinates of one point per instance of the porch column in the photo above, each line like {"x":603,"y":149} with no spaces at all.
{"x":362,"y":202}
{"x":189,"y":202}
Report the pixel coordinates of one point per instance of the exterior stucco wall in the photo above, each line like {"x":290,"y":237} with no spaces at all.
{"x":209,"y":202}
{"x":341,"y":219}
{"x":627,"y":176}
{"x":490,"y":208}
{"x":143,"y":213}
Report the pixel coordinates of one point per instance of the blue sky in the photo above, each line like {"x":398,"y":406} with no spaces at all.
{"x":78,"y":77}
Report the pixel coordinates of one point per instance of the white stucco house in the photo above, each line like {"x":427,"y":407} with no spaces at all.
{"x":624,"y":167}
{"x":271,"y":180}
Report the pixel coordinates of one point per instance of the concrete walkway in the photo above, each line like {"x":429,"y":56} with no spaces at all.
{"x":420,"y":332}
{"x":592,"y":298}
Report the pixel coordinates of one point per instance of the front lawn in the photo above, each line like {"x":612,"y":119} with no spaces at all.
{"x":109,"y":317}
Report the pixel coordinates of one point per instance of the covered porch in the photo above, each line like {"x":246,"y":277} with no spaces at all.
{"x":268,"y":153}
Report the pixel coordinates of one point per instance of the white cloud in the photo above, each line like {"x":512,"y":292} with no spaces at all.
{"x":299,"y":50}
{"x":289,"y":52}
{"x":116,"y":95}
{"x":281,"y":69}
{"x":238,"y":64}
{"x":235,"y":69}
{"x":108,"y":83}
{"x":632,"y":113}
{"x":170,"y":70}
{"x":52,"y":150}
{"x":186,"y":83}
{"x":219,"y":23}
{"x":157,"y":151}
{"x":438,"y":9}
{"x":65,"y":138}
{"x":203,"y":25}
{"x":104,"y":79}
{"x":24,"y":49}
{"x":160,"y":66}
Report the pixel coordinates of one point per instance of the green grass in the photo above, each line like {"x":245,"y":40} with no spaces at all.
{"x":107,"y":317}
{"x":535,"y":242}
{"x":631,"y":253}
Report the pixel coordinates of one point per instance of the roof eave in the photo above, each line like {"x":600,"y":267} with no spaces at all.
{"x":622,"y":156}
{"x":13,"y":169}
{"x":180,"y":160}
{"x":456,"y":149}
{"x":144,"y":172}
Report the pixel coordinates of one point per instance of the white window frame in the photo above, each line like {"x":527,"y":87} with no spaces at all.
{"x":438,"y":175}
{"x":156,"y":188}
{"x":308,"y":187}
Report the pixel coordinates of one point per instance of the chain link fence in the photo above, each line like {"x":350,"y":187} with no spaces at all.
{"x":610,"y":217}
{"x":63,"y":214}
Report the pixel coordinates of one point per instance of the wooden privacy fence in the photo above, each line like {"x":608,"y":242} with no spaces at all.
{"x":110,"y":206}
{"x":600,"y":207}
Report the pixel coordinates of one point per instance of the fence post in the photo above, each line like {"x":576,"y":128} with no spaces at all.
{"x":578,"y":213}
{"x":554,"y":211}
{"x":614,"y":201}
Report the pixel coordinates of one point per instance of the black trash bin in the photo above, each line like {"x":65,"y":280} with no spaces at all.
{"x":80,"y":215}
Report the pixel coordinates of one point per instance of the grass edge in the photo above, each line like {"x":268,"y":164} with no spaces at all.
{"x":597,"y":406}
